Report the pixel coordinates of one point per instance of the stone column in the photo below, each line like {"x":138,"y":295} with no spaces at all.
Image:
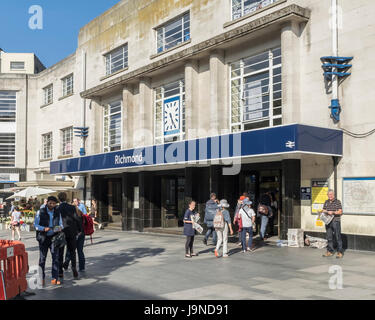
{"x":291,"y":199}
{"x":290,"y":43}
{"x":143,"y":133}
{"x":218,"y":111}
{"x":128,"y":117}
{"x":191,"y":100}
{"x":125,"y":210}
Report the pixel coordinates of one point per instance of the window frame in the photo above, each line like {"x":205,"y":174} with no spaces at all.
{"x":272,"y":118}
{"x":64,"y":141}
{"x":43,"y":153}
{"x":16,"y":69}
{"x":47,"y":95}
{"x":63,"y":85}
{"x":243,"y":7}
{"x":125,"y":54}
{"x":8,"y":101}
{"x":107,"y":147}
{"x":185,"y":36}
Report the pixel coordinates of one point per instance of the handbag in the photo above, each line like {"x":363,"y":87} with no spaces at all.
{"x":59,"y":240}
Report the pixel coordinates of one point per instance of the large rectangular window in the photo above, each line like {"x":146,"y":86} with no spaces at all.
{"x":67,"y":85}
{"x":243,"y":7}
{"x":170,"y":112}
{"x":256,"y":91}
{"x":67,"y":141}
{"x":8,"y":106}
{"x":7,"y":149}
{"x":112,"y":126}
{"x":46,"y":146}
{"x":173,"y":33}
{"x":48,"y":94}
{"x":17,"y":65}
{"x":116,"y":60}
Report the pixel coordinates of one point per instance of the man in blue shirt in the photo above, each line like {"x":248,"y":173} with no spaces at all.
{"x":47,"y":223}
{"x":80,"y":205}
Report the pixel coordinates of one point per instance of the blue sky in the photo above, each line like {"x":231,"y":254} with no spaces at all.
{"x":62,"y":20}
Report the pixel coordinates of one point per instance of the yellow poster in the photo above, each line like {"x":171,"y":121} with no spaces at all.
{"x":319,"y":190}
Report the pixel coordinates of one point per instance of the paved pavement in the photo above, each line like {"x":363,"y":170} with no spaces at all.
{"x":126,"y":265}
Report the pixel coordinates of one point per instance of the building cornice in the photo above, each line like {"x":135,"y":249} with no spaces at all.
{"x":288,"y":13}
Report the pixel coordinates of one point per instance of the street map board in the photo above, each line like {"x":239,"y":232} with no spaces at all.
{"x":359,"y":196}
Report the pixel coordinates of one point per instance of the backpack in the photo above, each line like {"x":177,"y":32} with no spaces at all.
{"x":88,"y":225}
{"x":219,"y":220}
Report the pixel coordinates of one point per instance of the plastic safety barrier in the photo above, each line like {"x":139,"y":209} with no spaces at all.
{"x":14,"y":268}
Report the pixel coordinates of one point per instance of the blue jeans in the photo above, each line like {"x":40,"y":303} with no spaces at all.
{"x":214,"y":235}
{"x":334,"y":230}
{"x":81,"y":255}
{"x":43,"y":251}
{"x":263,"y":226}
{"x":248,"y":230}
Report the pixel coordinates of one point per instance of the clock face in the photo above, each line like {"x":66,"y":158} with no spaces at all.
{"x":171,"y":116}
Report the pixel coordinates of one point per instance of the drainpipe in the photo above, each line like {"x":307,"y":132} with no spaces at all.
{"x":335,"y":103}
{"x":82,"y":151}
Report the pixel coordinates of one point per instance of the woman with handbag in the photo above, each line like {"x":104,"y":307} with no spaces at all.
{"x":16,"y":222}
{"x":222,"y":233}
{"x":237,"y":219}
{"x":189,"y":231}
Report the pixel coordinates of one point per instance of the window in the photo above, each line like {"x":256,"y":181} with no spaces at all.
{"x":7,"y":106}
{"x":170,"y":112}
{"x":67,"y":85}
{"x":256,"y":91}
{"x":47,"y":146}
{"x":48,"y":94}
{"x":117,"y":60}
{"x":243,"y":7}
{"x":112,"y":126}
{"x":7,"y":149}
{"x":173,"y":33}
{"x":67,"y":141}
{"x":17,"y":65}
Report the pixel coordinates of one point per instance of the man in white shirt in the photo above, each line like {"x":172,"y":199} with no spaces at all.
{"x":247,"y":215}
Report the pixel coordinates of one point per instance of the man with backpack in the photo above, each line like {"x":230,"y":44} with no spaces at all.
{"x":72,"y":227}
{"x":247,"y":216}
{"x":209,"y":215}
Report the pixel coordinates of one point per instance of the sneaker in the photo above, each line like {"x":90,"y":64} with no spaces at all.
{"x":247,"y":249}
{"x":339,"y":255}
{"x":205,"y":241}
{"x":75,"y":273}
{"x":328,"y":254}
{"x":225,"y":255}
{"x":216,"y":254}
{"x":55,"y":282}
{"x":100,"y":226}
{"x":243,"y":251}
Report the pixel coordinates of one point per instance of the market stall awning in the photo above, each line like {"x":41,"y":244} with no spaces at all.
{"x":31,"y":192}
{"x":289,"y":139}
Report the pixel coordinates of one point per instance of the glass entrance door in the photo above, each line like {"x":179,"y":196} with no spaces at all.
{"x":172,"y":201}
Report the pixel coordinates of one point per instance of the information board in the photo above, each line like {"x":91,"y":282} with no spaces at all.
{"x":319,"y":191}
